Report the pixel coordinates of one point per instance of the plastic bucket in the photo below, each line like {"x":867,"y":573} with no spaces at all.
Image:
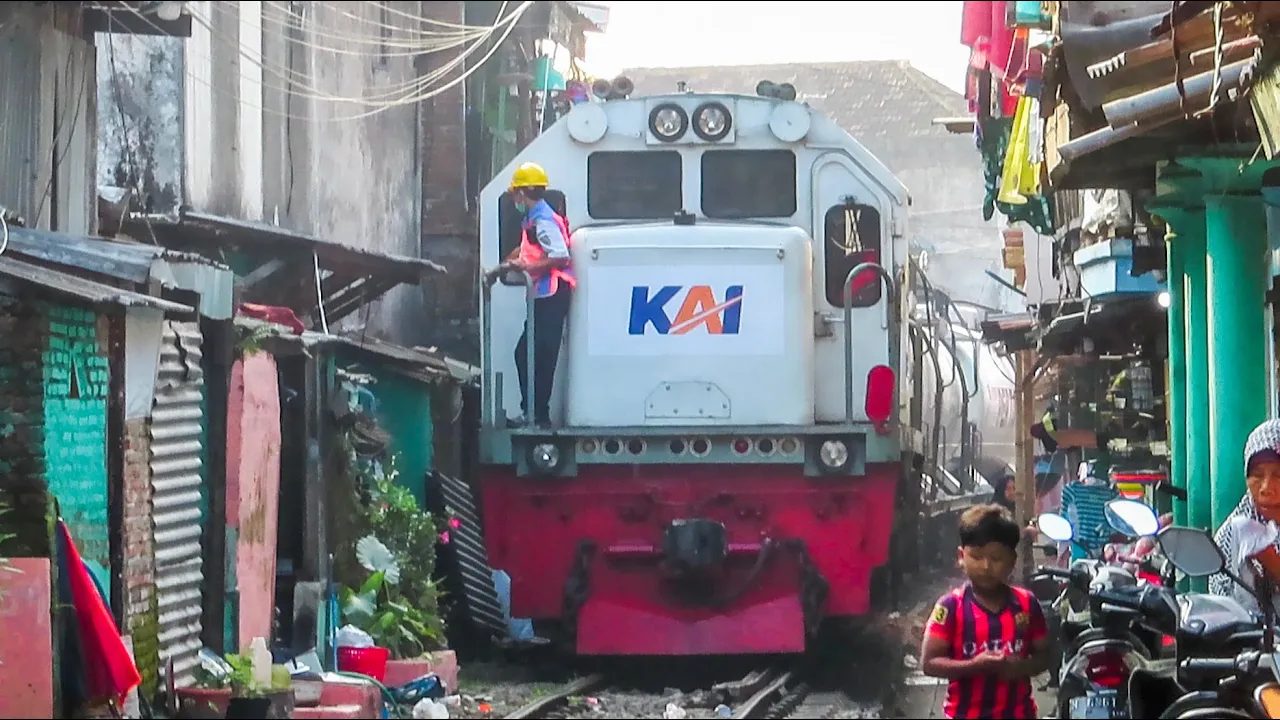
{"x":371,"y":661}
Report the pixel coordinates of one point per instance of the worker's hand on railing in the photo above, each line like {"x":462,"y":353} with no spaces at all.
{"x":492,"y":275}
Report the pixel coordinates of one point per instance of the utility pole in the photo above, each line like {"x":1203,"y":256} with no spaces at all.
{"x":1025,"y":470}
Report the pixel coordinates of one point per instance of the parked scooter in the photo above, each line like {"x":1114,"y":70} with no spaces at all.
{"x":1101,"y":642}
{"x":1226,"y":660}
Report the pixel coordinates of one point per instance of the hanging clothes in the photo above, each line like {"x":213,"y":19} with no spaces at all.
{"x":1037,"y":211}
{"x":1020,"y":177}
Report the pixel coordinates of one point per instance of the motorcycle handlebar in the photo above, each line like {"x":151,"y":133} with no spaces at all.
{"x":1052,"y":572}
{"x":1246,"y":662}
{"x":1125,"y":600}
{"x":1210,"y":664}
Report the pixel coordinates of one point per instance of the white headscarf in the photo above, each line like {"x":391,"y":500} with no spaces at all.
{"x":1245,"y":532}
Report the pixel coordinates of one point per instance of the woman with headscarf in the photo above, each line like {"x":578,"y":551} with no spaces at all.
{"x":1249,"y":532}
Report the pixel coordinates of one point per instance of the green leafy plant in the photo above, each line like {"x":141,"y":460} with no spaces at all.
{"x":400,"y":559}
{"x":241,"y":678}
{"x":404,"y":630}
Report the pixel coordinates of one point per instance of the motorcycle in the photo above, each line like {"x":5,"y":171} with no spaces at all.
{"x":1226,"y":664}
{"x":1101,"y":642}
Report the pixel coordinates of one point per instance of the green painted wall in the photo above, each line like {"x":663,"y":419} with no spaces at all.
{"x":404,"y":411}
{"x":76,"y":386}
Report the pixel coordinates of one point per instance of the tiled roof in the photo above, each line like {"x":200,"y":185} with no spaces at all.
{"x":881,"y":102}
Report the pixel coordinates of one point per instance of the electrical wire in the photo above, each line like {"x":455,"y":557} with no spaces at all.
{"x":407,"y":93}
{"x":59,"y":127}
{"x":402,"y":93}
{"x":511,"y":23}
{"x":381,"y":43}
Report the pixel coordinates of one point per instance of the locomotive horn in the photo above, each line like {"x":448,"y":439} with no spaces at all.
{"x":786,"y":91}
{"x":765,"y":88}
{"x":602,"y":88}
{"x":623,"y":86}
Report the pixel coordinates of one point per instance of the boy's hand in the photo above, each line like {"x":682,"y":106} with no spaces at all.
{"x":990,"y":661}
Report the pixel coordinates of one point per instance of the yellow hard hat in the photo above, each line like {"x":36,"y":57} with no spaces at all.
{"x":529,"y":175}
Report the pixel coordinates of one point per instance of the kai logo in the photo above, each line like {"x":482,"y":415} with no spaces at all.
{"x":698,"y":308}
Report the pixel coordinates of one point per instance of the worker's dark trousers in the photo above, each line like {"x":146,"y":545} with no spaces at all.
{"x":549,"y":315}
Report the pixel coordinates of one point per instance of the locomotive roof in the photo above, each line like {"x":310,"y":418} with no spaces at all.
{"x":883,"y":103}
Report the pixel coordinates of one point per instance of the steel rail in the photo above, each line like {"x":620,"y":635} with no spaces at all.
{"x":538,"y":708}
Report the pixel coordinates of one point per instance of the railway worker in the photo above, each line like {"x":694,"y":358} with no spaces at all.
{"x":544,"y":255}
{"x":987,"y":637}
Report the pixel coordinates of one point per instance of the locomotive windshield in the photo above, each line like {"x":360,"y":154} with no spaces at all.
{"x":740,"y":184}
{"x":634,"y":185}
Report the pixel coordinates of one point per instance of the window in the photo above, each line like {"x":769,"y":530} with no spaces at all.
{"x":852,"y":236}
{"x":740,"y":184}
{"x":510,"y":220}
{"x":634,"y":185}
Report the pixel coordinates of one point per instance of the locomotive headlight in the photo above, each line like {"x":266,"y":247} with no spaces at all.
{"x":545,"y":457}
{"x":668,"y":122}
{"x":712,"y":122}
{"x":834,"y":454}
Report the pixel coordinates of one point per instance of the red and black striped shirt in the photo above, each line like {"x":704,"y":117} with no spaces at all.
{"x":969,"y":628}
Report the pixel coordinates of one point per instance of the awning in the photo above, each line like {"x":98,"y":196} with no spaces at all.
{"x":1014,"y":331}
{"x":284,"y":261}
{"x":1119,"y":320}
{"x":88,"y":291}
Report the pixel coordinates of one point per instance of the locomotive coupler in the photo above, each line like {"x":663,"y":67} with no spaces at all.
{"x":691,"y":545}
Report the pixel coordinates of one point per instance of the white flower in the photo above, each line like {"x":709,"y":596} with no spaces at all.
{"x":376,"y":557}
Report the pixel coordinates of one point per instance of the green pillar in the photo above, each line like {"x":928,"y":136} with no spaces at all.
{"x":1236,"y":274}
{"x":1176,"y":408}
{"x":1236,"y":229}
{"x":1189,"y":236}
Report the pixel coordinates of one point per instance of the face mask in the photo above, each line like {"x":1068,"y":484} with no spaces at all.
{"x":522,"y":206}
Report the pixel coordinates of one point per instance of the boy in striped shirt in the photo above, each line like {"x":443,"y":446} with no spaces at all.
{"x":987,"y":637}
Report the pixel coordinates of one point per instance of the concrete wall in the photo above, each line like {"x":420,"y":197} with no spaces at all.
{"x":47,"y":151}
{"x":253,"y":489}
{"x":244,"y":109}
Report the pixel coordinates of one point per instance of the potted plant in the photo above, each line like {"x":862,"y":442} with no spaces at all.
{"x":208,"y":698}
{"x":248,"y":700}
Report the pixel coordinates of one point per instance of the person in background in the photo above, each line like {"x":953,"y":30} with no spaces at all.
{"x":544,"y":255}
{"x":1005,"y":494}
{"x":1084,"y":503}
{"x":987,"y":637}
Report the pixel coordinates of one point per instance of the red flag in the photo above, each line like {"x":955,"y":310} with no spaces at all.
{"x":109,"y":672}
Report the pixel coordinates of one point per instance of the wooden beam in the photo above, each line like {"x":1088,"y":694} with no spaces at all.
{"x":1025,"y":469}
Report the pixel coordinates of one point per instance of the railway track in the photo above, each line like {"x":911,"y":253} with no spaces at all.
{"x":753,"y":696}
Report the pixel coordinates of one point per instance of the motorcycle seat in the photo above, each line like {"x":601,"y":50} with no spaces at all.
{"x":1211,"y":619}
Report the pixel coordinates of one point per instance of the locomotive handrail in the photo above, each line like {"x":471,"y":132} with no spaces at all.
{"x":848,"y":324}
{"x":495,"y":407}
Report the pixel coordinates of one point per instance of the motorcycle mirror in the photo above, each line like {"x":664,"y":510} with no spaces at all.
{"x":1193,"y":552}
{"x":1055,"y":527}
{"x":1131,"y":517}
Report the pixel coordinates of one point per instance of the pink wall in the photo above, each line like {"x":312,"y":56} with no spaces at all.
{"x":253,"y":488}
{"x":26,"y":643}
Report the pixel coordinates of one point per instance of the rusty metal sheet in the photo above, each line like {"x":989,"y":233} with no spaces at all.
{"x":1095,"y":31}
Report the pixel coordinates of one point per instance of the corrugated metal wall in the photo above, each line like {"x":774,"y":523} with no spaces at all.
{"x":177,"y":422}
{"x":20,"y":119}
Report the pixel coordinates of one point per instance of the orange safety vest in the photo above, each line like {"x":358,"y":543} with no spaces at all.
{"x":531,"y":251}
